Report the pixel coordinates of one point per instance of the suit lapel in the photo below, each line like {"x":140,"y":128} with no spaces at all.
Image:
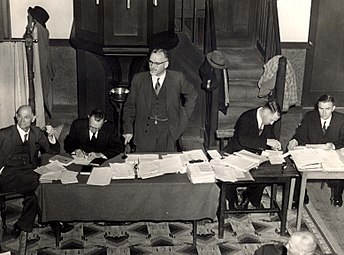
{"x":147,"y":86}
{"x":168,"y":87}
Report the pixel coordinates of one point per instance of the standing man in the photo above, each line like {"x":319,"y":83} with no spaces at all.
{"x":322,"y":126}
{"x":254,"y":131}
{"x":93,"y":135}
{"x":153,"y":113}
{"x":20,"y":145}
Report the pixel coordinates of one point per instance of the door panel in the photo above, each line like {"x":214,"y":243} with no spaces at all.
{"x":324,"y":71}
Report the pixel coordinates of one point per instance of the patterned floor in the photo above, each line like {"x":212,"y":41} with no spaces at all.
{"x":244,"y":233}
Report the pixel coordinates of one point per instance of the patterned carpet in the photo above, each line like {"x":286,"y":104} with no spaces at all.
{"x":244,"y":233}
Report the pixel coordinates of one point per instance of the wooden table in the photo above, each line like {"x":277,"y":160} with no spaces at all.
{"x":265,"y":174}
{"x":169,"y":197}
{"x":313,"y":175}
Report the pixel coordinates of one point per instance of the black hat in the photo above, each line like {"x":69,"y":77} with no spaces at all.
{"x":39,"y":14}
{"x":217,"y":60}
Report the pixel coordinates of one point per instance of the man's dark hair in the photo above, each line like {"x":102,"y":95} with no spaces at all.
{"x":163,"y":51}
{"x":98,"y":115}
{"x":326,"y":99}
{"x":273,"y":106}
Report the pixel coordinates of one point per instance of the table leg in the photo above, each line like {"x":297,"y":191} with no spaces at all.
{"x":301,"y":199}
{"x":222,"y":208}
{"x":194,"y":232}
{"x":291,"y":196}
{"x":57,"y":233}
{"x":285,"y":200}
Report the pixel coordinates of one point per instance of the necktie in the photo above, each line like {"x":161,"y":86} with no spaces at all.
{"x":25,"y":138}
{"x":324,"y":127}
{"x":157,"y":87}
{"x":93,"y":139}
{"x":261,"y":128}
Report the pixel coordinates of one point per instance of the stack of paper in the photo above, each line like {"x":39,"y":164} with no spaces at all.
{"x":56,"y":171}
{"x":226,"y":173}
{"x":240,"y":163}
{"x":332,"y":160}
{"x":100,"y":176}
{"x":306,"y":159}
{"x":258,"y":159}
{"x":122,"y":171}
{"x":200,"y":173}
{"x":149,"y":170}
{"x":275,"y":157}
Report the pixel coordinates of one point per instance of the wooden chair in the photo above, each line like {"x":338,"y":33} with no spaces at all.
{"x":4,"y":197}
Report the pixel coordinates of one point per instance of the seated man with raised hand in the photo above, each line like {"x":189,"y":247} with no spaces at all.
{"x":93,"y":135}
{"x":20,"y":146}
{"x":321,"y":126}
{"x":254,"y":131}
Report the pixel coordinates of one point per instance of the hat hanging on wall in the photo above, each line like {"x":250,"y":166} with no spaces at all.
{"x":39,"y":14}
{"x":217,"y":60}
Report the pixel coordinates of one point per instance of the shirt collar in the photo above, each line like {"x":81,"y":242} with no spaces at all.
{"x":91,"y":134}
{"x":161,"y":79}
{"x":328,"y":121}
{"x":259,"y":118}
{"x":22,"y":133}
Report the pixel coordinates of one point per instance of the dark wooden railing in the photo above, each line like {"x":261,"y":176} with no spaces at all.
{"x":268,"y":35}
{"x":209,"y":28}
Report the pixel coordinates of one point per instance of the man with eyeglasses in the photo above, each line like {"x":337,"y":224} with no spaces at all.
{"x":94,"y":135}
{"x":20,"y":146}
{"x":154,"y":114}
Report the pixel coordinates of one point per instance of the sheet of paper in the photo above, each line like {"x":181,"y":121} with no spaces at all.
{"x":68,"y":177}
{"x":54,"y":166}
{"x":148,"y":170}
{"x":214,"y":154}
{"x":66,"y":161}
{"x":100,"y":176}
{"x":305,"y":157}
{"x":195,"y":155}
{"x":81,"y":160}
{"x":122,"y":171}
{"x":171,"y":165}
{"x":239,"y":163}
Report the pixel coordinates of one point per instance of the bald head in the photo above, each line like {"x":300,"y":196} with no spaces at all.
{"x":25,"y":117}
{"x":301,"y":243}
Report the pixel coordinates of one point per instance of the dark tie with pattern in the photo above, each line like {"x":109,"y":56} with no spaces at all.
{"x":157,"y":87}
{"x":25,"y":138}
{"x":324,"y":127}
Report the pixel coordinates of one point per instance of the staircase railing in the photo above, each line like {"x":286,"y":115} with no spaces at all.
{"x":209,"y":28}
{"x":268,"y":34}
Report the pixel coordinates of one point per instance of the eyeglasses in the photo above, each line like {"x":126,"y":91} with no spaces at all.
{"x":150,"y":62}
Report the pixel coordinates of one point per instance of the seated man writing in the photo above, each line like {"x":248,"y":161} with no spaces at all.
{"x":254,"y":131}
{"x":93,"y":135}
{"x":321,"y":126}
{"x":20,"y":146}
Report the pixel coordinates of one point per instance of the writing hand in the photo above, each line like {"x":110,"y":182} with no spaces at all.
{"x":274,"y":144}
{"x":292,"y":144}
{"x":80,"y":153}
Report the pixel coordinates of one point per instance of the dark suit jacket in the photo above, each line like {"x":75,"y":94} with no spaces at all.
{"x":271,"y":249}
{"x":310,"y":130}
{"x":246,"y":134}
{"x":37,"y":139}
{"x":136,"y":111}
{"x":108,"y":141}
